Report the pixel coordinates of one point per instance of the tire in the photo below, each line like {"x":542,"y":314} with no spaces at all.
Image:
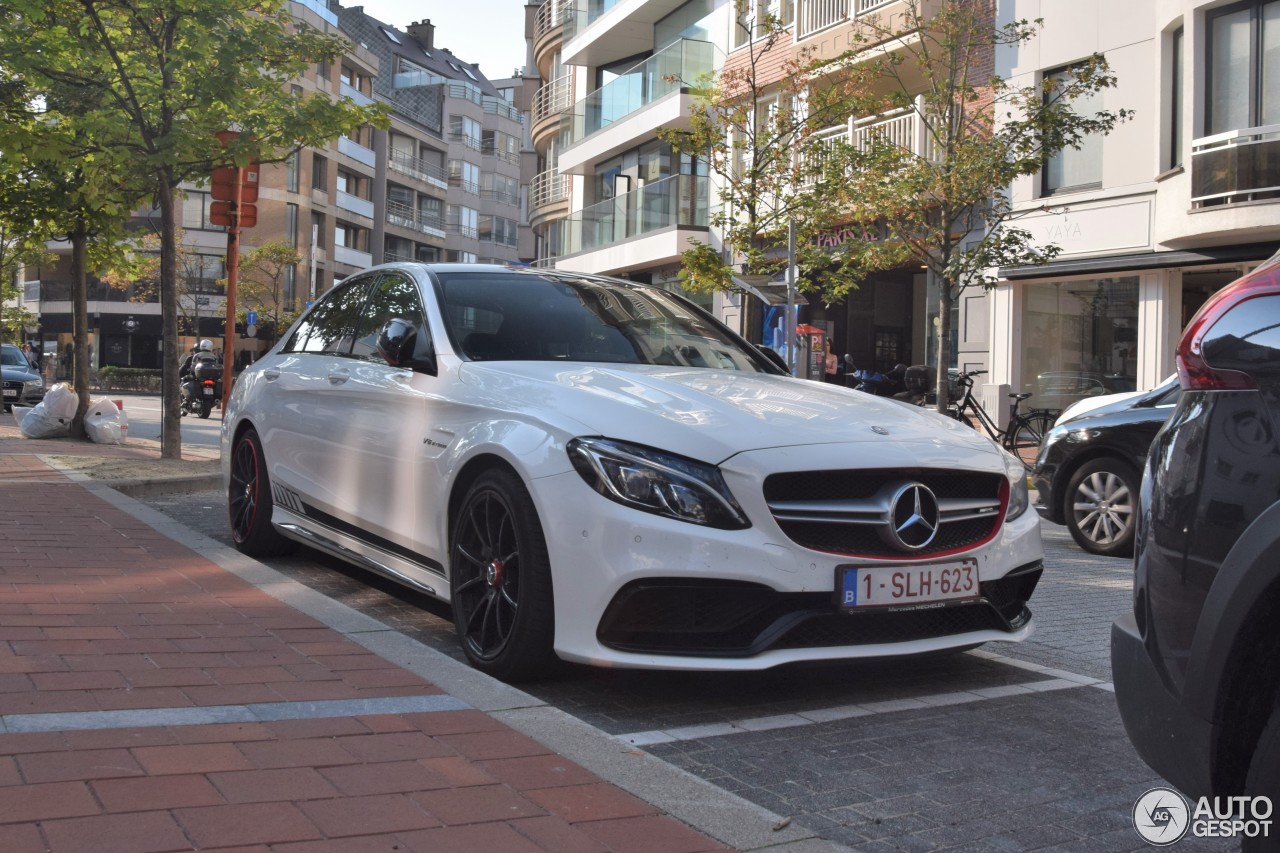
{"x":1100,"y":507}
{"x":1026,"y":435}
{"x":1263,"y":778}
{"x":205,"y":408}
{"x":501,"y":580}
{"x":249,"y":503}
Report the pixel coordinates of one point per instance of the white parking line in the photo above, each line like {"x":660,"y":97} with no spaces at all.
{"x":1058,"y":679}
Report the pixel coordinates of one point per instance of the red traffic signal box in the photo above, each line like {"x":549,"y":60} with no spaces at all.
{"x":220,"y":214}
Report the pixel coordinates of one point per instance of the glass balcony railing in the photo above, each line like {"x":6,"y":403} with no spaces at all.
{"x":679,"y":65}
{"x":675,"y":200}
{"x":580,"y":15}
{"x":1236,"y":166}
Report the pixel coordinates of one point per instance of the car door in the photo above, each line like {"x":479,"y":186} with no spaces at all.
{"x":388,"y":412}
{"x":304,"y":426}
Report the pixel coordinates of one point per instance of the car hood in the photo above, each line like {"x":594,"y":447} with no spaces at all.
{"x":711,"y":415}
{"x":1090,"y":404}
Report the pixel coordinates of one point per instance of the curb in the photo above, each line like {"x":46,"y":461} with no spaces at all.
{"x":165,"y":486}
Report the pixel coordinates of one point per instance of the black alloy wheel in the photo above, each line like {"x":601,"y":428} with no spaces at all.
{"x":1100,"y":507}
{"x":501,"y":580}
{"x":249,"y":503}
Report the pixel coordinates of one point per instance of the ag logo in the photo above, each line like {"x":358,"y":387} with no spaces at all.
{"x":1161,"y":816}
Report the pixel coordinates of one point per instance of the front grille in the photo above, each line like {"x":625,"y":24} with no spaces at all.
{"x":847,"y":512}
{"x":676,"y":616}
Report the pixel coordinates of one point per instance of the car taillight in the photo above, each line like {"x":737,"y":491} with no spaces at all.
{"x":1195,"y":373}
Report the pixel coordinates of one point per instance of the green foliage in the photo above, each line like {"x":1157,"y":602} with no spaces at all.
{"x":112,"y":378}
{"x":261,"y":285}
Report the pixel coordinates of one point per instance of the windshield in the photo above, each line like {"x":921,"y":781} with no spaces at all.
{"x":495,"y":316}
{"x":11,"y":356}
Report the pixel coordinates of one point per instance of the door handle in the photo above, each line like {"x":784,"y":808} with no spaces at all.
{"x":272,"y":374}
{"x":339,"y":375}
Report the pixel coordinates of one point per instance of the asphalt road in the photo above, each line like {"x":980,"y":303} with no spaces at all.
{"x":144,"y":421}
{"x":1005,"y":748}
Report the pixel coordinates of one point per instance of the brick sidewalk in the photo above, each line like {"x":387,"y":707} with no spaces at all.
{"x":152,"y":701}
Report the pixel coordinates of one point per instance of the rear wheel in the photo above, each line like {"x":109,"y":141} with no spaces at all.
{"x":249,"y":501}
{"x":501,"y":580}
{"x":1026,"y":435}
{"x":206,"y":406}
{"x":1263,"y":779}
{"x":1100,"y":507}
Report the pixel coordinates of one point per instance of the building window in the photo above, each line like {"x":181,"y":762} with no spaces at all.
{"x":465,"y":130}
{"x":1244,"y":66}
{"x":1079,"y":338}
{"x":1175,"y":98}
{"x":323,"y":70}
{"x":464,"y":175}
{"x":291,"y":172}
{"x":1075,"y":169}
{"x":317,"y":230}
{"x":319,"y":172}
{"x":291,"y":224}
{"x":463,"y":220}
{"x":290,"y":287}
{"x":195,"y":212}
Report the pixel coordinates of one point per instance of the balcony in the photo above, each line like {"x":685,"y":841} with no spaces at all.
{"x":548,"y":33}
{"x":815,"y":15}
{"x":357,"y":152}
{"x":352,"y":257}
{"x":903,"y":128}
{"x":601,"y":32}
{"x":673,"y":201}
{"x":359,"y":98}
{"x":549,"y":102}
{"x":355,"y":204}
{"x":1236,"y":166}
{"x":404,"y":216}
{"x":667,"y":73}
{"x":548,"y":196}
{"x":416,"y":167}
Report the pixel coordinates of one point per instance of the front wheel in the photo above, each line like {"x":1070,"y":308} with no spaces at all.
{"x":1100,"y":507}
{"x":249,"y":503}
{"x":1263,"y":779}
{"x":501,"y":580}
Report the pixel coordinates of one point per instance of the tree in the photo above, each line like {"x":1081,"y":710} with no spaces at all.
{"x":261,"y":286}
{"x":164,"y":77}
{"x":945,"y":204}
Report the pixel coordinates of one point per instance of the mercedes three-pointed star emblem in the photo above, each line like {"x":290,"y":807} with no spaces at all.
{"x":913,"y":517}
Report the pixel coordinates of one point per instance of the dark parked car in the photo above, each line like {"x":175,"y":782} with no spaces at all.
{"x":1058,"y":389}
{"x":22,"y":383}
{"x":1194,"y":664}
{"x":1090,"y":466}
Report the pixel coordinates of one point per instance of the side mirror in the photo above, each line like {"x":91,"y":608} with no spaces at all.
{"x":401,"y":345}
{"x":772,"y":356}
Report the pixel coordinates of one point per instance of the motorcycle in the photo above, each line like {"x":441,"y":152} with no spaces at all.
{"x":201,"y":390}
{"x":880,"y":384}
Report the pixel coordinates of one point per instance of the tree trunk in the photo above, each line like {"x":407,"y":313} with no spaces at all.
{"x":171,"y":418}
{"x":944,"y":345}
{"x":80,"y":326}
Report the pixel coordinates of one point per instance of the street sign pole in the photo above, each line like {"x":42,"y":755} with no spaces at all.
{"x":233,"y":270}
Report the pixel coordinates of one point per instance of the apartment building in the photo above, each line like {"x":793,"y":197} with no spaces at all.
{"x":609,"y":196}
{"x":444,"y":183}
{"x":1159,"y":214}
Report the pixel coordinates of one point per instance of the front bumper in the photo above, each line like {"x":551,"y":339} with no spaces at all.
{"x":640,"y":591}
{"x":1174,"y":742}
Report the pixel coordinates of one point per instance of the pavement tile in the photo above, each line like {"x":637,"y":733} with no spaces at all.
{"x":264,"y":786}
{"x":148,"y":832}
{"x":315,"y":691}
{"x":62,"y":701}
{"x":503,"y":743}
{"x":319,"y":727}
{"x":78,"y":764}
{"x":479,"y":804}
{"x":221,"y":733}
{"x":371,"y":815}
{"x":77,"y":680}
{"x":384,"y":723}
{"x":312,"y":752}
{"x":192,"y":758}
{"x":457,"y":771}
{"x":537,"y":771}
{"x":155,"y":793}
{"x":185,"y":677}
{"x":22,"y":838}
{"x":554,"y":833}
{"x":392,"y":777}
{"x":476,"y":837}
{"x":141,"y":697}
{"x":648,"y":834}
{"x":26,"y":803}
{"x":249,"y":823}
{"x":235,"y":694}
{"x":394,"y":745}
{"x":594,"y":801}
{"x":9,"y":774}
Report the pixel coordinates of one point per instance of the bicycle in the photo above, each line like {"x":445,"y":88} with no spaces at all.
{"x":1025,"y":431}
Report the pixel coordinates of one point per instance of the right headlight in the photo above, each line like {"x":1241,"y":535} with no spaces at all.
{"x":1019,"y":494}
{"x":653,"y":481}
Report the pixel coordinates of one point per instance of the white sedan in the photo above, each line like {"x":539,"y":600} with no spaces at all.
{"x":597,"y":471}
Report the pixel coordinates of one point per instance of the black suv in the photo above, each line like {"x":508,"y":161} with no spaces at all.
{"x":1195,"y":663}
{"x":1089,"y":467}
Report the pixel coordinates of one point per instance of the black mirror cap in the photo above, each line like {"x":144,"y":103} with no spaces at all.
{"x":774,"y":358}
{"x":401,"y":345}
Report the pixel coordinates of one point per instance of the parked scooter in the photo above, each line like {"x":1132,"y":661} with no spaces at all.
{"x":880,"y":384}
{"x":201,"y":389}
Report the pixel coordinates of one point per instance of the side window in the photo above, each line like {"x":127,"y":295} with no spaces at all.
{"x":1247,"y":339}
{"x":331,"y":326}
{"x":396,"y":296}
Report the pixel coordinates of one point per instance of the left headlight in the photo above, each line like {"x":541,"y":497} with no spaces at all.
{"x":653,"y":481}
{"x":1019,"y":495}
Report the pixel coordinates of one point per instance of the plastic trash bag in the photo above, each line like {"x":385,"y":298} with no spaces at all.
{"x":39,"y":423}
{"x":104,"y":423}
{"x":60,"y":401}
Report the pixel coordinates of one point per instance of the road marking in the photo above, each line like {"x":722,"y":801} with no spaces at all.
{"x":258,"y":713}
{"x":1058,"y":679}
